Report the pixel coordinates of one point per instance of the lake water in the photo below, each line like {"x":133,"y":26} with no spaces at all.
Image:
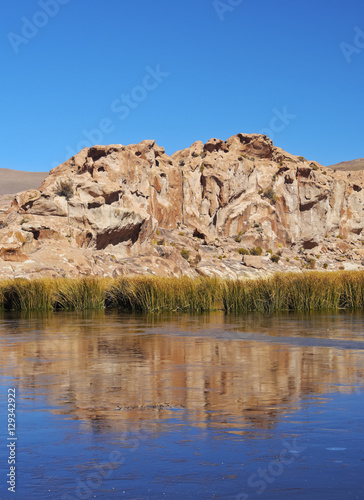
{"x":111,"y":405}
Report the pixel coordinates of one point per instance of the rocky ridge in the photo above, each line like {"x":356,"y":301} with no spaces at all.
{"x":120,"y":210}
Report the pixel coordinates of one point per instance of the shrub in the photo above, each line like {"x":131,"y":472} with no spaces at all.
{"x":270,"y":195}
{"x":325,"y":266}
{"x":311,"y":263}
{"x":256,"y":251}
{"x":275,"y":258}
{"x":65,"y":188}
{"x":185,"y":253}
{"x":243,"y":251}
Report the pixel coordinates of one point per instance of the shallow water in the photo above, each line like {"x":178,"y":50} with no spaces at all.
{"x":150,"y":407}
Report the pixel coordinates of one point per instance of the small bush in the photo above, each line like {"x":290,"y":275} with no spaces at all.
{"x":237,"y":239}
{"x":65,"y":188}
{"x":311,"y":263}
{"x":185,"y":253}
{"x":270,"y":195}
{"x":325,"y":266}
{"x":243,"y":251}
{"x":256,"y":251}
{"x":275,"y":258}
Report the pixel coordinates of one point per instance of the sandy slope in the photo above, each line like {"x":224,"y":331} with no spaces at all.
{"x":14,"y":181}
{"x":354,"y":165}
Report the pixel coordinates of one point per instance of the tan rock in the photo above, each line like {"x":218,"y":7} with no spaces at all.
{"x":252,"y":261}
{"x":12,"y":253}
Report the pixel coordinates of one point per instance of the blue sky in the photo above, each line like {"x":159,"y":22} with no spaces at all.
{"x":92,"y":71}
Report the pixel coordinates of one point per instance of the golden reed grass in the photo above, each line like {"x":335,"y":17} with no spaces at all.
{"x":309,"y":291}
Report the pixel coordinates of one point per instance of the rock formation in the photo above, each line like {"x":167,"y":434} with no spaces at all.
{"x":113,"y":210}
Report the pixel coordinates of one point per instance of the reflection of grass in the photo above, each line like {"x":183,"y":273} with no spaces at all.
{"x":309,"y":291}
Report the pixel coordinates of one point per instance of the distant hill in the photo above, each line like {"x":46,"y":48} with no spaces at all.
{"x":345,"y":166}
{"x":14,"y":181}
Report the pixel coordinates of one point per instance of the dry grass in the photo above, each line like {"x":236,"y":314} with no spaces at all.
{"x":149,"y":294}
{"x":309,"y":291}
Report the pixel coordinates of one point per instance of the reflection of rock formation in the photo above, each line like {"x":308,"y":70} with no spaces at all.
{"x":87,"y":367}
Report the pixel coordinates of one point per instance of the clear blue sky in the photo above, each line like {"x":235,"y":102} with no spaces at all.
{"x":224,"y":67}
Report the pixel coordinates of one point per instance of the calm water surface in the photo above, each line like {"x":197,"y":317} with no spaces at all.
{"x":174,"y":407}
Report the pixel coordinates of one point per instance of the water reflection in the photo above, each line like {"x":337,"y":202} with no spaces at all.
{"x":210,"y":371}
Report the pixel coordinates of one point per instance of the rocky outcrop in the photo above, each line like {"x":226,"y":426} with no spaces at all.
{"x":117,"y":209}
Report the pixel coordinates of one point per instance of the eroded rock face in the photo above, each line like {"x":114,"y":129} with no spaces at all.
{"x":188,"y":213}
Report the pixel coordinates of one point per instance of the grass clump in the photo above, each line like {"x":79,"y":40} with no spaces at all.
{"x":309,"y":291}
{"x":243,"y":251}
{"x":185,"y":253}
{"x":27,"y":295}
{"x":46,"y":294}
{"x":256,"y":251}
{"x":65,"y":188}
{"x":270,"y":195}
{"x":80,"y":293}
{"x":153,"y":294}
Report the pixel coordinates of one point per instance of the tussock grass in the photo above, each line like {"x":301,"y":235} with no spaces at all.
{"x":45,"y":294}
{"x":151,"y":294}
{"x":308,"y":291}
{"x":27,"y":295}
{"x":81,"y":293}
